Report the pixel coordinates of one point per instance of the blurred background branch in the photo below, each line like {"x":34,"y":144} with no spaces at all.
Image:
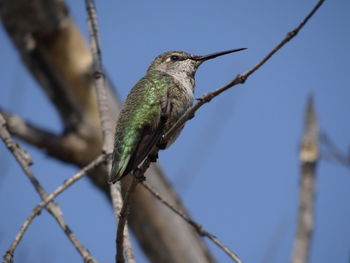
{"x":309,"y":154}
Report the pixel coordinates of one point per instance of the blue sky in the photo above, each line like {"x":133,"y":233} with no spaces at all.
{"x":236,"y":164}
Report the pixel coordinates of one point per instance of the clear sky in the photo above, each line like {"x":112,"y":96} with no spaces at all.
{"x":236,"y":164}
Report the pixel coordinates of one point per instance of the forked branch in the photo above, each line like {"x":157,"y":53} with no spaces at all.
{"x":24,"y":161}
{"x":37,"y":209}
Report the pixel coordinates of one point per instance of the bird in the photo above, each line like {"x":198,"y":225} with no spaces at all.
{"x":152,"y":106}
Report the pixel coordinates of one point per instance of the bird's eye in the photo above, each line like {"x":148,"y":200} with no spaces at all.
{"x":175,"y":58}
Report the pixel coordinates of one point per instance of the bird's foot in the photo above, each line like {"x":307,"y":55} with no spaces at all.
{"x":161,"y":145}
{"x":153,"y":157}
{"x":138,"y":176}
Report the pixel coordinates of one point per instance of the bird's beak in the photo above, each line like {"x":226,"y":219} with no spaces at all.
{"x":201,"y":59}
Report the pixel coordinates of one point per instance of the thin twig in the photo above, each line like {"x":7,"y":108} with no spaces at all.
{"x":100,"y":79}
{"x":37,"y":209}
{"x":194,"y":224}
{"x":22,"y":157}
{"x":24,"y":161}
{"x":104,"y":116}
{"x":240,"y":78}
{"x":309,"y":153}
{"x":138,"y":176}
{"x":122,"y":221}
{"x":117,"y":206}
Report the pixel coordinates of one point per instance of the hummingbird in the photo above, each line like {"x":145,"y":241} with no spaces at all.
{"x":153,"y":105}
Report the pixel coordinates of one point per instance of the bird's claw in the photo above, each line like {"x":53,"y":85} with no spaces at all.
{"x":153,"y":157}
{"x":161,"y":145}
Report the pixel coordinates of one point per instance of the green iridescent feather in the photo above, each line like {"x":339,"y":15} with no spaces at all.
{"x":138,"y":124}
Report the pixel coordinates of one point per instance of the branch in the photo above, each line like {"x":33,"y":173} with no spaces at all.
{"x":99,"y":160}
{"x":138,"y":176}
{"x":99,"y":78}
{"x":45,"y":36}
{"x":122,"y":222}
{"x":24,"y":161}
{"x":117,"y":207}
{"x":309,"y":153}
{"x":23,"y":158}
{"x":194,"y":224}
{"x":240,"y":78}
{"x":66,"y":147}
{"x":106,"y":124}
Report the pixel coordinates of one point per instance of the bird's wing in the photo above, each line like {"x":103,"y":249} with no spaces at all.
{"x":149,"y":136}
{"x":148,"y":140}
{"x":141,"y":140}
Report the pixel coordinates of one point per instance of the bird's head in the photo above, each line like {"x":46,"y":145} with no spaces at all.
{"x":173,"y":62}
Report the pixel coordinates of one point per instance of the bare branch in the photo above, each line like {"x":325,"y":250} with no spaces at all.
{"x":100,"y":79}
{"x":122,"y":222}
{"x":195,"y":225}
{"x":56,"y":54}
{"x":309,"y":153}
{"x":106,"y":125}
{"x":66,"y":147}
{"x":117,"y":206}
{"x":24,"y":161}
{"x":21,"y":156}
{"x":99,"y":160}
{"x":240,"y":78}
{"x":138,"y":176}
